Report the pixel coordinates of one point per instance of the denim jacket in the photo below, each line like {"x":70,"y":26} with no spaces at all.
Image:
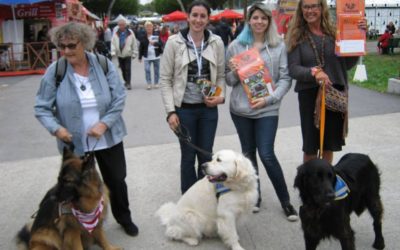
{"x":57,"y":107}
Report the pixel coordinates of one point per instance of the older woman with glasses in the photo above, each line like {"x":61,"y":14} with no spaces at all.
{"x":85,"y":109}
{"x":312,"y":60}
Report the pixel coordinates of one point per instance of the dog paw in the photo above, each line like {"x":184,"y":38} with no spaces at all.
{"x":115,"y":248}
{"x":238,"y":247}
{"x":191,"y":241}
{"x":173,"y":232}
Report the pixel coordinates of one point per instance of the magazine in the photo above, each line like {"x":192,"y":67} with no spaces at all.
{"x":253,"y":74}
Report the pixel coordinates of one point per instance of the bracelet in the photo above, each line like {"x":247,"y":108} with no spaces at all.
{"x":315,"y":71}
{"x":169,"y":114}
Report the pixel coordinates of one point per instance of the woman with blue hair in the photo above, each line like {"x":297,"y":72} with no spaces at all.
{"x":256,"y":121}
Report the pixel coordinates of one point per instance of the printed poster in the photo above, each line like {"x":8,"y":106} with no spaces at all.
{"x":350,"y":40}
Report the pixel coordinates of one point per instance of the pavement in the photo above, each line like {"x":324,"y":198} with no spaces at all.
{"x":28,"y":170}
{"x":153,"y":178}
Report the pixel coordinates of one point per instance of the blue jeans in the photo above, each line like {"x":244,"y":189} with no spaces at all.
{"x":201,"y":123}
{"x":259,"y":134}
{"x":156,"y":68}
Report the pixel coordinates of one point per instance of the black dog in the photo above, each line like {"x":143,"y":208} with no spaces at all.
{"x":322,"y":215}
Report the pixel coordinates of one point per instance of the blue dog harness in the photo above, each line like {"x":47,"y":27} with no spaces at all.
{"x":220,"y":189}
{"x":341,"y":188}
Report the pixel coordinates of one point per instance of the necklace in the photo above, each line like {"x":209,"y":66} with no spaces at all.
{"x":82,"y":85}
{"x":320,"y":58}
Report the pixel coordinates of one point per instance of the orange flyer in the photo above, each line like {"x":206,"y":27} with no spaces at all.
{"x":253,"y":74}
{"x":350,"y":40}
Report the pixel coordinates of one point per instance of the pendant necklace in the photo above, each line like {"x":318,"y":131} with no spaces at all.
{"x":83,"y":86}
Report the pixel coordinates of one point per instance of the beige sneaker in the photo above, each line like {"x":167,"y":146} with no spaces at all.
{"x":148,"y":87}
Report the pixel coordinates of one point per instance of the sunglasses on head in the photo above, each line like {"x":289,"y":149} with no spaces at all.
{"x":70,"y":46}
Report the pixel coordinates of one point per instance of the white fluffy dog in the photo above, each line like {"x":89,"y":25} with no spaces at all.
{"x":200,"y":213}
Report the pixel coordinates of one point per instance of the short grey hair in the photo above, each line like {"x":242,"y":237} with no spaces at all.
{"x":73,"y":30}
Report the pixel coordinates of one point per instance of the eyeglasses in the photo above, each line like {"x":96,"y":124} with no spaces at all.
{"x":70,"y":46}
{"x":315,"y":6}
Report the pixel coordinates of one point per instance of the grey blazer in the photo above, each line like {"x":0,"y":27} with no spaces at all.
{"x":60,"y":107}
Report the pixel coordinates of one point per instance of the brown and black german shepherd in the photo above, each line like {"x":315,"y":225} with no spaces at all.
{"x":79,"y":192}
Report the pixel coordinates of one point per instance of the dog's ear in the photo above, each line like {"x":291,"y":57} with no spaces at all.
{"x":299,"y":179}
{"x":241,"y":172}
{"x":67,"y":153}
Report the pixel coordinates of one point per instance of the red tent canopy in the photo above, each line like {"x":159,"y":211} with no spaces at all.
{"x":228,"y":14}
{"x":175,"y":16}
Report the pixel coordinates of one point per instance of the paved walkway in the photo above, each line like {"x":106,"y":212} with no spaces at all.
{"x":154,"y":179}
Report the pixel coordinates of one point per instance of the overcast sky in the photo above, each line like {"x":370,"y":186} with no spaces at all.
{"x":144,"y":1}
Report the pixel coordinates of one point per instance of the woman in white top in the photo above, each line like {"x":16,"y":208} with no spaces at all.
{"x":85,"y":109}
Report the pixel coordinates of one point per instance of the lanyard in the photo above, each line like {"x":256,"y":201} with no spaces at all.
{"x":199,"y":58}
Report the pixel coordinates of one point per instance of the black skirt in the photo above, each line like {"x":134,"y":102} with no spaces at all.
{"x":333,"y":140}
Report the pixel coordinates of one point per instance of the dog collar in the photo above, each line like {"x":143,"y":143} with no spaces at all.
{"x":220,"y":189}
{"x":89,"y":220}
{"x":341,"y":188}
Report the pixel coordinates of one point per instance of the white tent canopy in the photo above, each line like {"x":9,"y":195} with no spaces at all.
{"x":118,"y":18}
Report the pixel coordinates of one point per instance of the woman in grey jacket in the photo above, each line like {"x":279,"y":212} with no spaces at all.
{"x":191,"y":55}
{"x":257,"y":122}
{"x":85,"y":109}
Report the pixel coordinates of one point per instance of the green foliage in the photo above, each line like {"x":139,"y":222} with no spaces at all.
{"x":165,"y":6}
{"x":126,"y":7}
{"x":168,"y":6}
{"x":379,"y":69}
{"x":100,"y":7}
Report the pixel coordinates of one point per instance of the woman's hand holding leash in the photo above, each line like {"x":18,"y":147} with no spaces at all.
{"x":173,"y":121}
{"x":321,"y":77}
{"x":97,"y":130}
{"x":63,"y":134}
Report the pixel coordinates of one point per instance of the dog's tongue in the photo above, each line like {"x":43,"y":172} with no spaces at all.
{"x":216,"y":178}
{"x":212,"y":178}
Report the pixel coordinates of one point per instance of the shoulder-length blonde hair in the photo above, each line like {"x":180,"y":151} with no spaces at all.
{"x":298,"y":25}
{"x":271,"y":35}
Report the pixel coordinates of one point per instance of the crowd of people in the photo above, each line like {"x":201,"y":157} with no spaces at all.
{"x":182,"y":59}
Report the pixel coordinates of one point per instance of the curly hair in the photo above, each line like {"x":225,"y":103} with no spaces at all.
{"x":298,"y":25}
{"x":73,"y":30}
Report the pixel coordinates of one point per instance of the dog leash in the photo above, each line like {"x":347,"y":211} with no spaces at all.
{"x":322,"y":123}
{"x":183,"y":135}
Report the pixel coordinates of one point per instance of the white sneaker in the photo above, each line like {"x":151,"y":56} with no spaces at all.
{"x":256,"y":209}
{"x":148,"y":87}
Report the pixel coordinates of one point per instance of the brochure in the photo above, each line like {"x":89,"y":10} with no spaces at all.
{"x":253,"y":74}
{"x":208,"y":88}
{"x":350,"y":40}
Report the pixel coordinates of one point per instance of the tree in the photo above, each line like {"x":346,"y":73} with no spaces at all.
{"x":109,"y":7}
{"x":181,"y":5}
{"x":167,"y":6}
